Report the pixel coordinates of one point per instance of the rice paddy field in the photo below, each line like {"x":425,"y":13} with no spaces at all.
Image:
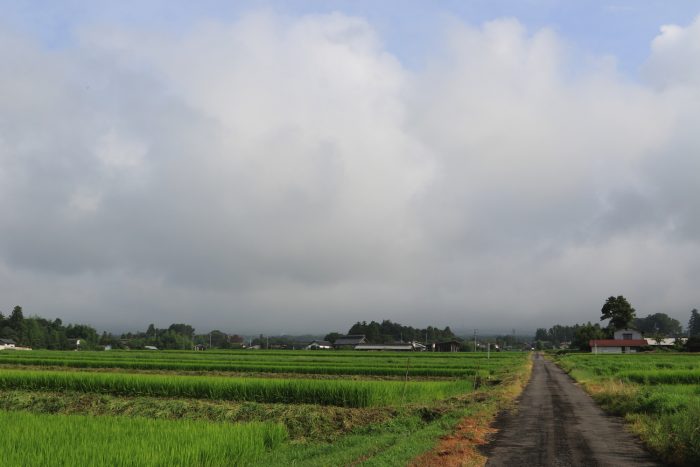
{"x":244,"y":407}
{"x":658,"y":394}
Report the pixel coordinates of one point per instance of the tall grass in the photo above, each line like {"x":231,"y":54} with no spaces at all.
{"x":71,"y":440}
{"x":658,"y":393}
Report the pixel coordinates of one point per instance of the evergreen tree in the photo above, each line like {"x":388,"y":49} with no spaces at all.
{"x":17,"y":324}
{"x":694,"y":323}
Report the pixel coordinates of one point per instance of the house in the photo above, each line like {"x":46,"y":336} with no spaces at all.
{"x":448,"y":346}
{"x":627,"y":334}
{"x":385,"y":347}
{"x":319,"y":345}
{"x":666,"y":341}
{"x":7,"y":344}
{"x":625,"y":341}
{"x":349,"y":342}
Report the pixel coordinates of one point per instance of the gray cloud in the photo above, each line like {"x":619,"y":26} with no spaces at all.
{"x":290,"y":175}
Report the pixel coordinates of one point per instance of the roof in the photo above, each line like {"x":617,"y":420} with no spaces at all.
{"x":665,"y":341}
{"x":384,"y":347}
{"x":322,"y":343}
{"x":7,"y":341}
{"x":617,"y":343}
{"x":350,"y":340}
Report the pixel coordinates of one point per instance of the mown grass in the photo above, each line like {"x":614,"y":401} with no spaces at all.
{"x":303,"y":421}
{"x":63,"y":440}
{"x":657,"y":393}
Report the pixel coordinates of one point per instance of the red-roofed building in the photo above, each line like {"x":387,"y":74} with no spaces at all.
{"x":616,"y":345}
{"x":625,"y":341}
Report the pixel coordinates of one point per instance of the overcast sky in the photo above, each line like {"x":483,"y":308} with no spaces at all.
{"x":296,"y":166}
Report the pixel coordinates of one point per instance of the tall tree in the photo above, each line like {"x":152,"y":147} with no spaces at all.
{"x":619,"y":311}
{"x":182,"y":329}
{"x":16,"y":322}
{"x":658,"y":324}
{"x":694,"y":323}
{"x":541,"y":334}
{"x":584,"y":334}
{"x":332,"y":337}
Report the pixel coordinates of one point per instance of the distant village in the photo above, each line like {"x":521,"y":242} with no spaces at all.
{"x":628,"y":335}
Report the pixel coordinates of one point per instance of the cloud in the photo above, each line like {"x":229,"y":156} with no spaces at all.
{"x":290,"y":174}
{"x":673,"y":60}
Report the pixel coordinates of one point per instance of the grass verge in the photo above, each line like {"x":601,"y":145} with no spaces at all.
{"x":660,"y":405}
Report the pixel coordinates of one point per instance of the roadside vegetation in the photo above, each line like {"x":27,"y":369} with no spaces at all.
{"x":657,"y":393}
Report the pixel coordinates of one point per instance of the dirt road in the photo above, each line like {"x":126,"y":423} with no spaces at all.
{"x":558,"y":424}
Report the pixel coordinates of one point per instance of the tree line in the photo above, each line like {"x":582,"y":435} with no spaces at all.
{"x":388,"y":332}
{"x":621,"y":315}
{"x":41,"y":333}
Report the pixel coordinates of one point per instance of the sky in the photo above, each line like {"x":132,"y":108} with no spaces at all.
{"x":295,"y":167}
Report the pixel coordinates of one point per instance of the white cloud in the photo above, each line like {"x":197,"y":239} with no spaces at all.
{"x":291,"y":173}
{"x":674,"y":56}
{"x":117,"y":152}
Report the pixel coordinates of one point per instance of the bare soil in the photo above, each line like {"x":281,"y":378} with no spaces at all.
{"x":557,"y":424}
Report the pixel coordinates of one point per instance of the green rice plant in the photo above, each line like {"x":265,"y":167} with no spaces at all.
{"x":662,"y":376}
{"x":330,"y":363}
{"x":68,"y":440}
{"x":324,"y":392}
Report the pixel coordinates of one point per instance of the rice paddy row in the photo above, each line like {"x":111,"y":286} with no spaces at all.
{"x":205,"y":418}
{"x":110,"y":441}
{"x":414,"y":364}
{"x":286,"y":391}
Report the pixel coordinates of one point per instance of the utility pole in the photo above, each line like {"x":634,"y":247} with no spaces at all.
{"x":474,"y":340}
{"x":488,"y":350}
{"x":210,"y":339}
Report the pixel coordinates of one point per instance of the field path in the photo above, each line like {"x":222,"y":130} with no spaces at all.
{"x":558,"y":424}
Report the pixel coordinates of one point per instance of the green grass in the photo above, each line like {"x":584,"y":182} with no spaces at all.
{"x":289,"y":391}
{"x":370,"y":422}
{"x":659,"y":394}
{"x":300,"y":362}
{"x":61,"y":440}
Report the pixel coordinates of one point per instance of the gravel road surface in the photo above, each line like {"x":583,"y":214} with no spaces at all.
{"x":558,"y":424}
